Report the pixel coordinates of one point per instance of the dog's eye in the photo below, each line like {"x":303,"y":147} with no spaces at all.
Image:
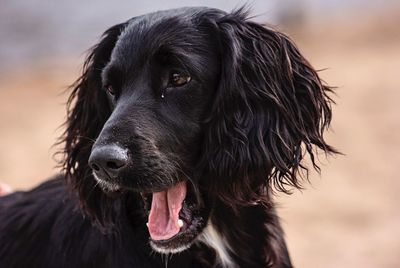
{"x":110,"y":89}
{"x":179,"y":79}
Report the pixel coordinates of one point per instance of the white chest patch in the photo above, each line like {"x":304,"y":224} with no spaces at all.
{"x":212,"y":238}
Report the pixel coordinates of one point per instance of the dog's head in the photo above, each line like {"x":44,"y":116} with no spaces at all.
{"x":189,"y":107}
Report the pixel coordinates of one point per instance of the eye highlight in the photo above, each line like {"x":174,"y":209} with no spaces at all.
{"x":179,"y":79}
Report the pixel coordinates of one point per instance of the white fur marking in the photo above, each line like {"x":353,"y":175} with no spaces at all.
{"x":168,"y":251}
{"x":211,"y":237}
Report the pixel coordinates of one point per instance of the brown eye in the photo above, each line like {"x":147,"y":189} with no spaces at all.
{"x":110,"y":90}
{"x":178,"y":79}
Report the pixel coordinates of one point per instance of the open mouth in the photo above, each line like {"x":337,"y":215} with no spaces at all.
{"x":174,"y":218}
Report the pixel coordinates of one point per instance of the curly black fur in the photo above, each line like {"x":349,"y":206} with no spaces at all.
{"x":240,"y":130}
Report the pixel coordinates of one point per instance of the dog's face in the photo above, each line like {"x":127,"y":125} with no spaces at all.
{"x":191,"y":107}
{"x":161,"y":76}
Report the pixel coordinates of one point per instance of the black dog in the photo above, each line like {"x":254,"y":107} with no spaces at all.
{"x":197,"y":116}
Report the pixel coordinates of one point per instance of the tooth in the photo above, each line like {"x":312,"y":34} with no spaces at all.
{"x":180,"y":223}
{"x":147,"y":224}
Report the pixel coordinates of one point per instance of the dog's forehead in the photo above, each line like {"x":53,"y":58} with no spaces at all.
{"x":184,"y":15}
{"x":175,"y":27}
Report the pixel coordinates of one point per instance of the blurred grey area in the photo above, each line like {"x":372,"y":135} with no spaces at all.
{"x":33,"y":31}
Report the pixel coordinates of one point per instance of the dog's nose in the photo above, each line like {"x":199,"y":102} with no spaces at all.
{"x":110,"y":159}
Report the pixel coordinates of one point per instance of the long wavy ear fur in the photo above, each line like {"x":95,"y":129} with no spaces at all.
{"x":271,"y":110}
{"x":88,"y":110}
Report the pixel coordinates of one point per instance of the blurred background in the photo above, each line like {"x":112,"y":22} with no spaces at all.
{"x":348,"y":216}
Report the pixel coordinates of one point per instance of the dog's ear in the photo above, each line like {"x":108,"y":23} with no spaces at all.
{"x":88,"y":110}
{"x":270,"y":110}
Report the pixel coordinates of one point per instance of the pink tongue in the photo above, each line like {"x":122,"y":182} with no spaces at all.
{"x":164,"y":212}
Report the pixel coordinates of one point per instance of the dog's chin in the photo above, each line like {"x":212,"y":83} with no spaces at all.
{"x":176,"y":215}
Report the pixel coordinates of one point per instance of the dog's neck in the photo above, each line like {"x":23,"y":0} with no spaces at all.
{"x":215,"y":240}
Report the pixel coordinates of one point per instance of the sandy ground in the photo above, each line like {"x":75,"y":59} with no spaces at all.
{"x":348,"y":217}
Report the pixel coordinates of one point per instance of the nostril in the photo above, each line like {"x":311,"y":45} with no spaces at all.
{"x":108,"y":160}
{"x":114,"y":165}
{"x":95,"y":167}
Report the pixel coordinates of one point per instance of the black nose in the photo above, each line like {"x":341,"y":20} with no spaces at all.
{"x":109,"y":159}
